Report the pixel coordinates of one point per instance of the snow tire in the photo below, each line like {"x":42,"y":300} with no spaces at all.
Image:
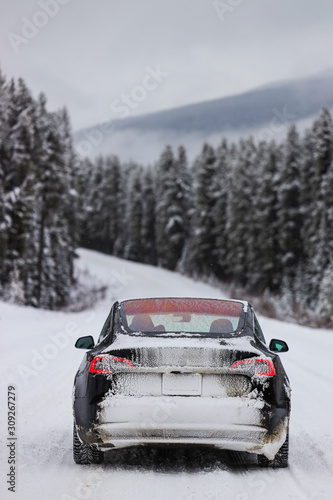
{"x":84,"y":453}
{"x":281,"y":458}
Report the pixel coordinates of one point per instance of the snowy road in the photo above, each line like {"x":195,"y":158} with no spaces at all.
{"x":39,"y":359}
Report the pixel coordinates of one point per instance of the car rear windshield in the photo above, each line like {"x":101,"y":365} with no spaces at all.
{"x":182,"y":315}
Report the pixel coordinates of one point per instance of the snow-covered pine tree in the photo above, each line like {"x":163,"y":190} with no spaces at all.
{"x":113,"y":175}
{"x":185,"y":262}
{"x":264,"y":273}
{"x":163,"y":180}
{"x":36,"y":179}
{"x":148,"y":245}
{"x":84,"y":187}
{"x":64,"y":225}
{"x":223,"y":177}
{"x":240,"y":211}
{"x":101,"y":227}
{"x":19,"y":182}
{"x":52,"y":243}
{"x":3,"y":134}
{"x":178,"y":196}
{"x":171,"y":208}
{"x":123,"y":200}
{"x":318,"y":232}
{"x":133,"y":247}
{"x":303,"y":281}
{"x":93,"y":189}
{"x":73,"y":215}
{"x":290,"y":213}
{"x":203,"y":255}
{"x":326,"y":242}
{"x":325,"y":299}
{"x":185,"y":190}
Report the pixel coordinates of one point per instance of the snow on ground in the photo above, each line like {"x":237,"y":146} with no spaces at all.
{"x":39,"y":359}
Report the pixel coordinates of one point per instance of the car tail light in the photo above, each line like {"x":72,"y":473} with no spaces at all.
{"x":254,"y":366}
{"x":107,"y":364}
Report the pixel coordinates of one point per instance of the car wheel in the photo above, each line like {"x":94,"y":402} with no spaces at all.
{"x":280,"y":459}
{"x":84,"y":453}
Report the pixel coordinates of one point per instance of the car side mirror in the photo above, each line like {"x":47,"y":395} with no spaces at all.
{"x":276,"y":345}
{"x":85,"y":342}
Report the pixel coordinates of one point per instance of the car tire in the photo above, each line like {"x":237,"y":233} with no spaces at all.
{"x":281,"y":458}
{"x":84,"y":453}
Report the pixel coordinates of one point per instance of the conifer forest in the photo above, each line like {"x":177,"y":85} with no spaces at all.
{"x":256,"y":214}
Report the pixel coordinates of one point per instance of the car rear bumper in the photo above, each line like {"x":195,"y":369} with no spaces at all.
{"x":240,"y":438}
{"x":228,"y":423}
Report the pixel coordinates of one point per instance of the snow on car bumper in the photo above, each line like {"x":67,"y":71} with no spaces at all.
{"x":229,"y":423}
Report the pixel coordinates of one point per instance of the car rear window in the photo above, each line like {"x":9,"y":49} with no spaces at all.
{"x":181,"y":315}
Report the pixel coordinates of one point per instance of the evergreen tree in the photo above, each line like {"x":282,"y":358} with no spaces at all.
{"x":46,"y":157}
{"x":112,"y":200}
{"x":19,"y":182}
{"x":264,"y":265}
{"x":148,"y":244}
{"x":84,"y":187}
{"x":37,"y":238}
{"x":163,"y":177}
{"x":185,"y":191}
{"x":94,"y":227}
{"x":240,"y":211}
{"x":101,"y":230}
{"x":3,"y":136}
{"x":125,"y":184}
{"x":290,"y":216}
{"x":223,"y":173}
{"x":317,"y":210}
{"x":72,"y":213}
{"x":178,"y":196}
{"x":205,"y":193}
{"x":171,"y":208}
{"x":325,"y":299}
{"x":133,"y":248}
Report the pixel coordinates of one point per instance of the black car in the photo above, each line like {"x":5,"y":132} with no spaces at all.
{"x":182,"y":371}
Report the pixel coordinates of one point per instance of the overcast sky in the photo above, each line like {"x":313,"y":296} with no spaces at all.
{"x":89,"y":55}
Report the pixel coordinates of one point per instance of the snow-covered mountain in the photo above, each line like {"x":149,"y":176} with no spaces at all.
{"x":39,"y":360}
{"x":265,"y":112}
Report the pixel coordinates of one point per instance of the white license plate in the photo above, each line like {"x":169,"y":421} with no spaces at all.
{"x":181,"y":384}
